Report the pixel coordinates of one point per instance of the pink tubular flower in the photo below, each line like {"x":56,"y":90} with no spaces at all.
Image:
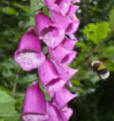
{"x":72,"y":37}
{"x":68,"y":43}
{"x":66,"y":113}
{"x":62,"y":55}
{"x":73,"y":27}
{"x":72,"y":10}
{"x":34,"y":107}
{"x":29,"y":54}
{"x":75,"y":1}
{"x":54,"y":72}
{"x":63,"y":97}
{"x":47,"y":72}
{"x":51,"y":33}
{"x":59,"y":19}
{"x":55,"y":86}
{"x":50,"y":78}
{"x":61,"y":6}
{"x":64,"y":71}
{"x":70,"y":23}
{"x":53,"y":113}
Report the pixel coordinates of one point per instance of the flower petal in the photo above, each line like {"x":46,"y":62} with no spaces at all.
{"x":47,"y":72}
{"x":59,"y":19}
{"x":65,"y":72}
{"x":52,"y":34}
{"x":35,"y":117}
{"x":61,"y":6}
{"x":68,"y":59}
{"x":34,"y":102}
{"x":51,"y":4}
{"x":69,"y":44}
{"x":73,"y":27}
{"x":64,"y":6}
{"x":62,"y":97}
{"x":29,"y":41}
{"x":54,"y":86}
{"x":62,"y":55}
{"x":74,"y":1}
{"x":69,"y":23}
{"x":29,"y":55}
{"x":42,"y":21}
{"x":72,"y":10}
{"x":66,"y":113}
{"x":53,"y":113}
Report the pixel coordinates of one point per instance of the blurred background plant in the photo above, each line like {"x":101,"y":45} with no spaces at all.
{"x":95,"y":101}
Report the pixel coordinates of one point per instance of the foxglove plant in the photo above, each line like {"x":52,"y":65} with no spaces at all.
{"x":29,"y":54}
{"x":60,"y":6}
{"x":62,"y":55}
{"x":34,"y":104}
{"x":57,"y":33}
{"x":69,"y":22}
{"x":52,"y":34}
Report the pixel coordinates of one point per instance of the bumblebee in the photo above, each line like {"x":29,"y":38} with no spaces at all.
{"x":100,"y":69}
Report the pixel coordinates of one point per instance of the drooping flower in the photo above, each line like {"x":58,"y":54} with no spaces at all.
{"x":70,"y":22}
{"x":55,"y":86}
{"x":58,"y":33}
{"x":54,"y":76}
{"x":47,"y":72}
{"x":59,"y":19}
{"x":68,"y":43}
{"x":72,"y":37}
{"x":34,"y":107}
{"x":66,"y":113}
{"x":64,"y":71}
{"x":52,"y":34}
{"x":73,"y":27}
{"x":63,"y":97}
{"x":29,"y":54}
{"x":62,"y":55}
{"x":72,"y":11}
{"x":75,"y":1}
{"x":50,"y":78}
{"x":60,"y":6}
{"x":53,"y":113}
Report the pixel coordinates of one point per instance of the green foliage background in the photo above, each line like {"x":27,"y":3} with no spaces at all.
{"x":95,"y":101}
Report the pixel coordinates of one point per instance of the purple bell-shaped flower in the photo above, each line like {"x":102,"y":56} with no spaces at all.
{"x":34,"y":107}
{"x":63,"y":97}
{"x":52,"y":34}
{"x":62,"y":55}
{"x":29,"y":54}
{"x":60,"y":6}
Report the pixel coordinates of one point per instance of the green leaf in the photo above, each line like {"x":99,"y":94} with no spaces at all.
{"x":110,"y":65}
{"x":80,"y":44}
{"x":97,"y":32}
{"x":25,"y":8}
{"x":112,"y":19}
{"x":76,"y":82}
{"x":7,"y":107}
{"x":35,"y":5}
{"x":9,"y":10}
{"x":27,"y":78}
{"x":2,"y":120}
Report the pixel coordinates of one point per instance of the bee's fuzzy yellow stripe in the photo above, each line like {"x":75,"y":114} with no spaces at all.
{"x":101,"y":67}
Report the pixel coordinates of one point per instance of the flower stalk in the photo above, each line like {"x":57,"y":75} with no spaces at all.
{"x":57,"y":33}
